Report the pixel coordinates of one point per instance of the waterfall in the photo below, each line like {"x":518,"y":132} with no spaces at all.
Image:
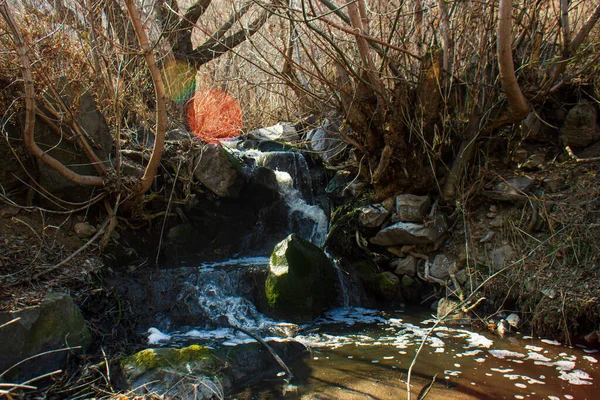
{"x":302,"y":212}
{"x":345,"y":295}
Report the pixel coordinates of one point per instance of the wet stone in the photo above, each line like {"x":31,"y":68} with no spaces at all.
{"x":372,"y":216}
{"x":411,"y":208}
{"x":405,"y":266}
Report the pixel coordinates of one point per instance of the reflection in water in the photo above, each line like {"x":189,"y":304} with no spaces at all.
{"x":360,"y":353}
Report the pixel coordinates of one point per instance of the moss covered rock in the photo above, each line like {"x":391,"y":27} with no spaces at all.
{"x":197,"y":372}
{"x":387,"y":286}
{"x":56,"y":323}
{"x":150,"y":364}
{"x":301,"y":281}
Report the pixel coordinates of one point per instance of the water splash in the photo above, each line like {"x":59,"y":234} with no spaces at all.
{"x":297,"y":204}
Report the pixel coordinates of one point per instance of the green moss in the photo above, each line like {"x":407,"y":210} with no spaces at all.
{"x":385,"y":283}
{"x":193,"y":353}
{"x":146,"y":359}
{"x":178,"y":359}
{"x":300,"y":281}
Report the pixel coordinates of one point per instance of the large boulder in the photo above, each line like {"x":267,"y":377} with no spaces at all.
{"x":55,"y":324}
{"x":219,"y":171}
{"x":300,"y":281}
{"x":94,"y":127}
{"x":198,"y":372}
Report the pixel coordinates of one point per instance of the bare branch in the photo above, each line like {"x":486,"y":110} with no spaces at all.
{"x":28,"y":133}
{"x":159,"y":91}
{"x":519,"y":106}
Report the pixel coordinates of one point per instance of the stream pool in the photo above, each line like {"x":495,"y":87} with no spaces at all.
{"x":365,"y":354}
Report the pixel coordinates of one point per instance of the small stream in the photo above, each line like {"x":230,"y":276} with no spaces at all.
{"x":359,"y":353}
{"x":362,"y":353}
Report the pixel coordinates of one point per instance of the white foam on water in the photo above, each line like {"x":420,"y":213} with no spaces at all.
{"x":502,"y":370}
{"x":576,"y":377}
{"x":560,"y":365}
{"x":568,"y":396}
{"x":537,"y":357}
{"x":452,"y":373}
{"x":388,"y":357}
{"x":590,"y":359}
{"x":480,"y":360}
{"x":533,"y":348}
{"x":552,"y":342}
{"x":469,"y":353}
{"x":590,"y":351}
{"x":156,"y":337}
{"x":512,"y":377}
{"x":521,"y":385}
{"x":502,"y":354}
{"x":553,"y":398}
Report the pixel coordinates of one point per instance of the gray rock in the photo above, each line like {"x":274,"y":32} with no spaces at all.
{"x":95,"y":129}
{"x":372,"y":216}
{"x":511,"y":189}
{"x":219,"y":171}
{"x":84,"y":229}
{"x":450,"y":310}
{"x":337,"y":185}
{"x":410,"y":233}
{"x":326,"y":143}
{"x":284,"y":131}
{"x":300,"y":281}
{"x":493,"y":208}
{"x":405,"y":266}
{"x":56,"y":323}
{"x":500,"y":257}
{"x":198,"y":372}
{"x":440,"y":266}
{"x":580,"y":127}
{"x":411,"y":208}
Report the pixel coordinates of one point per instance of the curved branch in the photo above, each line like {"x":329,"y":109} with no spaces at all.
{"x":585,"y":30}
{"x":159,"y":90}
{"x":519,"y":106}
{"x":28,"y":137}
{"x":214,"y":49}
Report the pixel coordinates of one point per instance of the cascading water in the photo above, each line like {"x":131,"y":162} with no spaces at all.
{"x":302,"y":215}
{"x":375,"y":347}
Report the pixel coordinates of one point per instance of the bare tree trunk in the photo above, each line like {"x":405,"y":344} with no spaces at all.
{"x":364,"y":50}
{"x":446,"y":41}
{"x":519,"y":106}
{"x":161,"y":114}
{"x":28,"y":138}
